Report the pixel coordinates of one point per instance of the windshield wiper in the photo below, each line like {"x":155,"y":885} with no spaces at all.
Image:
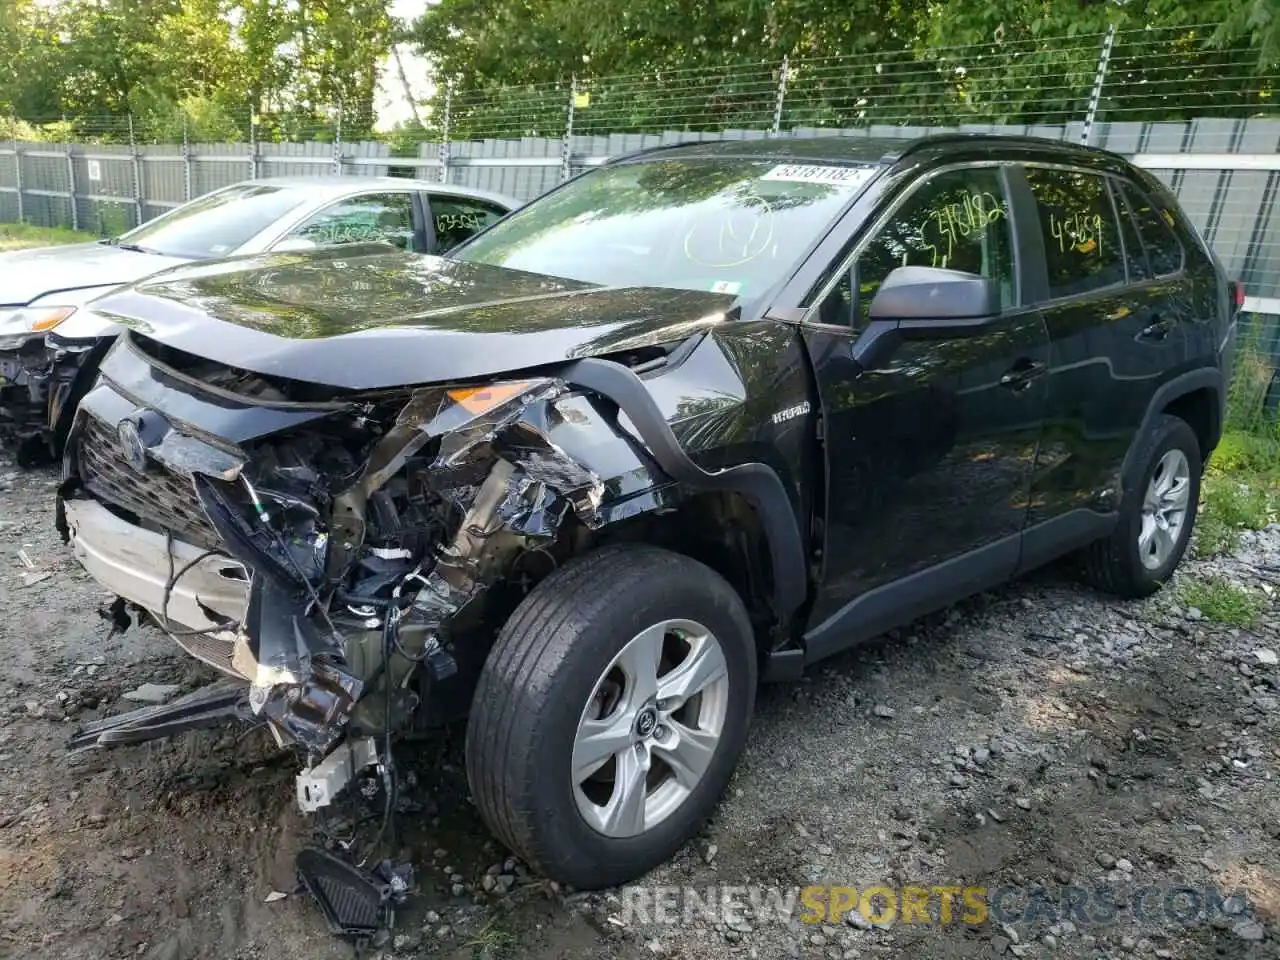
{"x":131,"y":247}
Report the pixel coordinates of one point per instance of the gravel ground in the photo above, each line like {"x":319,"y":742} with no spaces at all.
{"x":1039,"y":736}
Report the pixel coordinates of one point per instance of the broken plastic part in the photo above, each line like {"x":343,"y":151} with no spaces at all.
{"x":318,"y":786}
{"x":255,"y":544}
{"x":356,"y":904}
{"x":397,"y":877}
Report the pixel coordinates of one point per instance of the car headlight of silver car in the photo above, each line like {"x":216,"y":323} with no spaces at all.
{"x":19,"y":326}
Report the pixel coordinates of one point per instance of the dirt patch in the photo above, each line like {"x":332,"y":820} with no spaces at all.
{"x":1043,"y":738}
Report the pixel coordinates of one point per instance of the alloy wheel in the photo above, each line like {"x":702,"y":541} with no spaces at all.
{"x":650,"y":728}
{"x":1164,"y":509}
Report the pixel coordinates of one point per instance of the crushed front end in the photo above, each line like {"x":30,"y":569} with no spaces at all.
{"x":336,"y":553}
{"x":41,"y":379}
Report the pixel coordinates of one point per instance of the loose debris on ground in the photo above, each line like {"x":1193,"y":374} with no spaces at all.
{"x":1040,"y":736}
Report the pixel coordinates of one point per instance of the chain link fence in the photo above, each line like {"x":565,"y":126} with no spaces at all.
{"x":1202,"y":119}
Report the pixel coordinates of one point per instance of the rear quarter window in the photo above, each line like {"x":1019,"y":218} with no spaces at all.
{"x":1156,"y":226}
{"x":1081,"y":235}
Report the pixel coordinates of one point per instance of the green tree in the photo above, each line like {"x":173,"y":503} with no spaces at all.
{"x":31,"y":72}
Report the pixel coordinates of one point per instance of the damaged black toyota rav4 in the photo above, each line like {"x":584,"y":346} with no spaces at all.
{"x":698,"y":417}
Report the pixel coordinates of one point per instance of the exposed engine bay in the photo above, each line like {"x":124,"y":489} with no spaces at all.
{"x":366,"y":542}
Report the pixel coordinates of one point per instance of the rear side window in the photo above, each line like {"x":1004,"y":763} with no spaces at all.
{"x":1155,"y":226}
{"x":1081,"y":238}
{"x":459,"y":218}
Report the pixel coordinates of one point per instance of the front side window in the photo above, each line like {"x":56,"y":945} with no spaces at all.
{"x":958,"y":220}
{"x":370,"y":218}
{"x":1155,"y":226}
{"x":724,"y":225}
{"x":217,"y":224}
{"x":1078,"y":223}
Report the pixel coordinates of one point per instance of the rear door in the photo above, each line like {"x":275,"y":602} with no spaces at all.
{"x":929,"y":455}
{"x":1115,"y":335}
{"x":452,"y":219}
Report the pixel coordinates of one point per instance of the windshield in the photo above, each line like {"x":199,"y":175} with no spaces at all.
{"x":729,"y":226}
{"x":217,"y":224}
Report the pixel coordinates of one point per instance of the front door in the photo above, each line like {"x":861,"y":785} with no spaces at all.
{"x":929,"y":455}
{"x":389,"y":217}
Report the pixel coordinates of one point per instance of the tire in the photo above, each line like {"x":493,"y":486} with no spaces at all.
{"x":1115,"y":564}
{"x":548,"y":666}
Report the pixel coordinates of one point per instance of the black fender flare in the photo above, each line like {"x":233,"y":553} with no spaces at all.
{"x":758,"y":482}
{"x":1179,"y":386}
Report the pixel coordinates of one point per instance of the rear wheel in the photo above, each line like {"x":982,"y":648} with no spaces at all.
{"x":611,"y":713}
{"x":1156,"y":516}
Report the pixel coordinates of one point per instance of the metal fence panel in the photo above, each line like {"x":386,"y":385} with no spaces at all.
{"x":217,"y":165}
{"x":162,"y":178}
{"x":294,"y":160}
{"x":370,"y":150}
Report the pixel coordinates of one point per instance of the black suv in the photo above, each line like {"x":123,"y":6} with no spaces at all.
{"x":699,"y":416}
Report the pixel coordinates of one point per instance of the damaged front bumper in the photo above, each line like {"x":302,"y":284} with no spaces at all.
{"x":41,"y":380}
{"x":131,"y":562}
{"x":334,"y":557}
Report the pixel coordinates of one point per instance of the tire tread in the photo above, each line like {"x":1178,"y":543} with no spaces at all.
{"x":531,"y":647}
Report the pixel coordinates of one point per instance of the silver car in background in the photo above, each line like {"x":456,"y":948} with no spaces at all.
{"x":45,"y":335}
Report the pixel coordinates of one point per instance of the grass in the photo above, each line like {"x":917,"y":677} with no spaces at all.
{"x":20,"y":236}
{"x":1241,"y":488}
{"x":1221,"y":601}
{"x":491,"y":942}
{"x":1233,"y":501}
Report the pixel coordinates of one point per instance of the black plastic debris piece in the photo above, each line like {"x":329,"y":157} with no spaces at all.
{"x":357,"y":904}
{"x":209,"y":706}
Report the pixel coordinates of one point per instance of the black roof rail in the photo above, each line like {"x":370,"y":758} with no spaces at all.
{"x":909,"y":144}
{"x":645,"y":151}
{"x":918,"y":143}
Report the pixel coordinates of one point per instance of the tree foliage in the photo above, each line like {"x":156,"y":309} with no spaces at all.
{"x":203,"y":65}
{"x":302,"y":67}
{"x":659,"y":64}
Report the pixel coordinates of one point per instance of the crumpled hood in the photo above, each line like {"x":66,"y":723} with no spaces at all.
{"x":363,"y":318}
{"x":26,"y":275}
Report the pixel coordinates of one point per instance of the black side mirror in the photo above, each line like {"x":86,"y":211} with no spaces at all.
{"x":922,"y":294}
{"x":925,"y":303}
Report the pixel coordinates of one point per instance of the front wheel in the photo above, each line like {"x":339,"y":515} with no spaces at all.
{"x":611,"y":712}
{"x":1156,"y":516}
